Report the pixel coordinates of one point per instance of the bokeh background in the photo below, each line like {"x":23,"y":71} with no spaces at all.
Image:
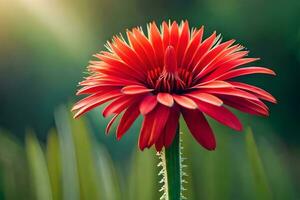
{"x":44,"y":154}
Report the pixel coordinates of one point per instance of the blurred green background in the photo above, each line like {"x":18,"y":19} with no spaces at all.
{"x":44,"y":154}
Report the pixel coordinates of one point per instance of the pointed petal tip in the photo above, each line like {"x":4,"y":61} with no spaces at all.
{"x":158,"y":148}
{"x":239,"y":128}
{"x":271,"y":72}
{"x":272,"y":99}
{"x":212,"y":148}
{"x":142,"y":148}
{"x":77,"y":115}
{"x":118,"y":137}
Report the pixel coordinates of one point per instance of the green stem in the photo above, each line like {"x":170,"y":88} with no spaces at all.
{"x":173,"y":168}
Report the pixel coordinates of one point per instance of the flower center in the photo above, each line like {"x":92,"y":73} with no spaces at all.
{"x":171,"y":78}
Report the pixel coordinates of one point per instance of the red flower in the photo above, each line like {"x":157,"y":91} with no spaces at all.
{"x":172,"y":71}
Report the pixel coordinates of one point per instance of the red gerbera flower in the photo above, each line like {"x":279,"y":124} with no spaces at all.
{"x":169,"y":72}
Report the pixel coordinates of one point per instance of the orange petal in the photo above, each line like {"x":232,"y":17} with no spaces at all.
{"x":231,"y":92}
{"x":214,"y":84}
{"x":246,"y":71}
{"x":185,"y":101}
{"x":165,"y":99}
{"x":208,"y":98}
{"x":135,"y":89}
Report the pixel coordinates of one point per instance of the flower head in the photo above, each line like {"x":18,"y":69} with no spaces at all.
{"x":169,"y":72}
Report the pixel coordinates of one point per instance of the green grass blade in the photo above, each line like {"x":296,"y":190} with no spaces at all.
{"x":262,"y":188}
{"x":90,"y":185}
{"x":107,"y":174}
{"x":54,"y":164}
{"x":38,"y":168}
{"x":143,"y":176}
{"x":14,"y":178}
{"x":275,"y":159}
{"x":70,"y":178}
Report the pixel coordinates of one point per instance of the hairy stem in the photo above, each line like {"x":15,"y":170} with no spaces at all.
{"x":173,"y":169}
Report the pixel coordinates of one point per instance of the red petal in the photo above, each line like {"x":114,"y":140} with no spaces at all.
{"x":202,"y":50}
{"x":145,"y":43}
{"x":227,"y":56}
{"x":246,"y":105}
{"x":165,"y":99}
{"x":174,"y":35}
{"x":183,"y":41}
{"x":212,"y":55}
{"x":108,"y":70}
{"x":231,"y":92}
{"x":208,"y":98}
{"x":129,"y":116}
{"x":110,"y":123}
{"x":166,"y":34}
{"x":221,"y":114}
{"x":122,"y":66}
{"x":160,"y":142}
{"x":185,"y":101}
{"x":159,"y":122}
{"x":225,"y":67}
{"x":139,"y":49}
{"x":94,"y":89}
{"x":199,"y":128}
{"x":153,"y":125}
{"x":246,"y":71}
{"x":146,"y":130}
{"x":192,"y":46}
{"x":135,"y":89}
{"x":96,"y":102}
{"x":148,"y":104}
{"x":169,"y":132}
{"x":119,"y":105}
{"x":157,"y":42}
{"x":91,"y":98}
{"x":214,"y":84}
{"x":260,"y":93}
{"x":127,"y":54}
